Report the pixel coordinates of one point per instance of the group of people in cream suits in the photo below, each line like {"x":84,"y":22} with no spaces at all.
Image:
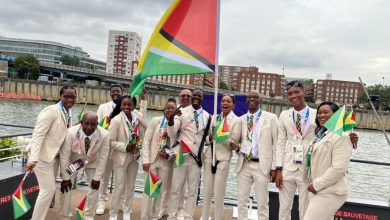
{"x":268,"y":150}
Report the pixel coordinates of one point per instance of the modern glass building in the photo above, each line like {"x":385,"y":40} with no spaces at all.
{"x":47,"y":51}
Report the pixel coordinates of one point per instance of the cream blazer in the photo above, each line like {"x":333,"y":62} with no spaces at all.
{"x":329,"y":164}
{"x":267,"y":139}
{"x":188,"y":134}
{"x":151,"y":145}
{"x":223,"y":151}
{"x":119,"y":133}
{"x":285,"y":143}
{"x":105,"y":109}
{"x":49,"y":134}
{"x":69,"y":151}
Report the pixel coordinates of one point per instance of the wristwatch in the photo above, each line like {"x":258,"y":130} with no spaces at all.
{"x":279,"y":168}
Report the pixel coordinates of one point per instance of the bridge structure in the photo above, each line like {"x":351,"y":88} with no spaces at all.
{"x":72,"y":72}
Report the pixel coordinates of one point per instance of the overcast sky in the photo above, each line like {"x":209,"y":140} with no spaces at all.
{"x":309,"y":38}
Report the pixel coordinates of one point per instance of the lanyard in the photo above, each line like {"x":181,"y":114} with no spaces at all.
{"x":196,"y":116}
{"x":78,"y":145}
{"x":162,"y":134}
{"x":130,"y":125}
{"x":250,"y":132}
{"x":68,"y":116}
{"x":321,"y":134}
{"x":303,"y":125}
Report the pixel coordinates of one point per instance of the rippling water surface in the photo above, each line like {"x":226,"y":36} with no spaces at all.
{"x":365,"y":180}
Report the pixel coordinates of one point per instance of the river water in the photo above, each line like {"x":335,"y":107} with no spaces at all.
{"x":366,"y":181}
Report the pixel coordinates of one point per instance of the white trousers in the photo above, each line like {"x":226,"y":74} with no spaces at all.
{"x":124,"y":184}
{"x":214,"y":184}
{"x":251,"y":174}
{"x":292,"y":181}
{"x":323,"y":206}
{"x":165,"y":198}
{"x":103,"y":189}
{"x":46,"y":174}
{"x":190,"y":171}
{"x":151,"y":207}
{"x":91,"y":201}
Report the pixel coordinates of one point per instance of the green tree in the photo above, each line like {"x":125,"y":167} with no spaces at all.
{"x":8,"y":143}
{"x":70,"y":60}
{"x":27,"y":66}
{"x":382,"y":91}
{"x":222,"y":85}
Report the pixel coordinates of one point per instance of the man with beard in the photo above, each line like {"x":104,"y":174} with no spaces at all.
{"x":104,"y":111}
{"x":255,"y":164}
{"x":192,"y":125}
{"x":89,"y":143}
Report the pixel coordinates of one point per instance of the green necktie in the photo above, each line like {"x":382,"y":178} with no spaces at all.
{"x":249,"y":137}
{"x":298,"y":123}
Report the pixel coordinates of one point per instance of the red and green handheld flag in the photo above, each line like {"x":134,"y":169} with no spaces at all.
{"x":105,"y":122}
{"x":183,"y":42}
{"x":349,"y":120}
{"x":336,"y":122}
{"x":152,"y":185}
{"x":183,"y":153}
{"x":19,"y":201}
{"x":222,"y":132}
{"x":80,"y":209}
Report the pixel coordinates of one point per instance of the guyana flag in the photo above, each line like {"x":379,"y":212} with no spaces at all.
{"x":221,"y":132}
{"x":19,"y":202}
{"x":349,"y":120}
{"x":182,"y":43}
{"x":152,"y":185}
{"x":336,"y":122}
{"x":105,"y":122}
{"x":184,"y":153}
{"x":80,"y":116}
{"x":80,"y":209}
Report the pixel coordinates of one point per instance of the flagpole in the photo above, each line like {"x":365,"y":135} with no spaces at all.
{"x":216,"y":71}
{"x":376,"y":113}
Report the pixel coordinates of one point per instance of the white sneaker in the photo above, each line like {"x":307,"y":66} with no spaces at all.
{"x":113,"y":217}
{"x":100,"y":208}
{"x":126,"y":216}
{"x":180,"y":214}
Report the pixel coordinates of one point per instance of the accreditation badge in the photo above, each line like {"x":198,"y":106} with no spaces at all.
{"x":297,"y":154}
{"x":246,"y":148}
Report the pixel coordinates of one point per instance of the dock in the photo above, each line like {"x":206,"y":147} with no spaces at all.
{"x":78,"y":194}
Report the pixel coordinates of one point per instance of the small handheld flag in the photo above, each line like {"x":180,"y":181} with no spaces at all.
{"x":19,"y":201}
{"x":105,"y":122}
{"x":349,"y":120}
{"x":80,"y":116}
{"x":222,"y":132}
{"x":80,"y":209}
{"x":152,"y":185}
{"x":336,"y":122}
{"x":184,"y":153}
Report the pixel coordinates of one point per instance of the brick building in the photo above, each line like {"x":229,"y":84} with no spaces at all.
{"x":268,"y":84}
{"x":341,"y":92}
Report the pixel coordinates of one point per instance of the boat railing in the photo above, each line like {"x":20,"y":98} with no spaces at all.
{"x":365,"y":185}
